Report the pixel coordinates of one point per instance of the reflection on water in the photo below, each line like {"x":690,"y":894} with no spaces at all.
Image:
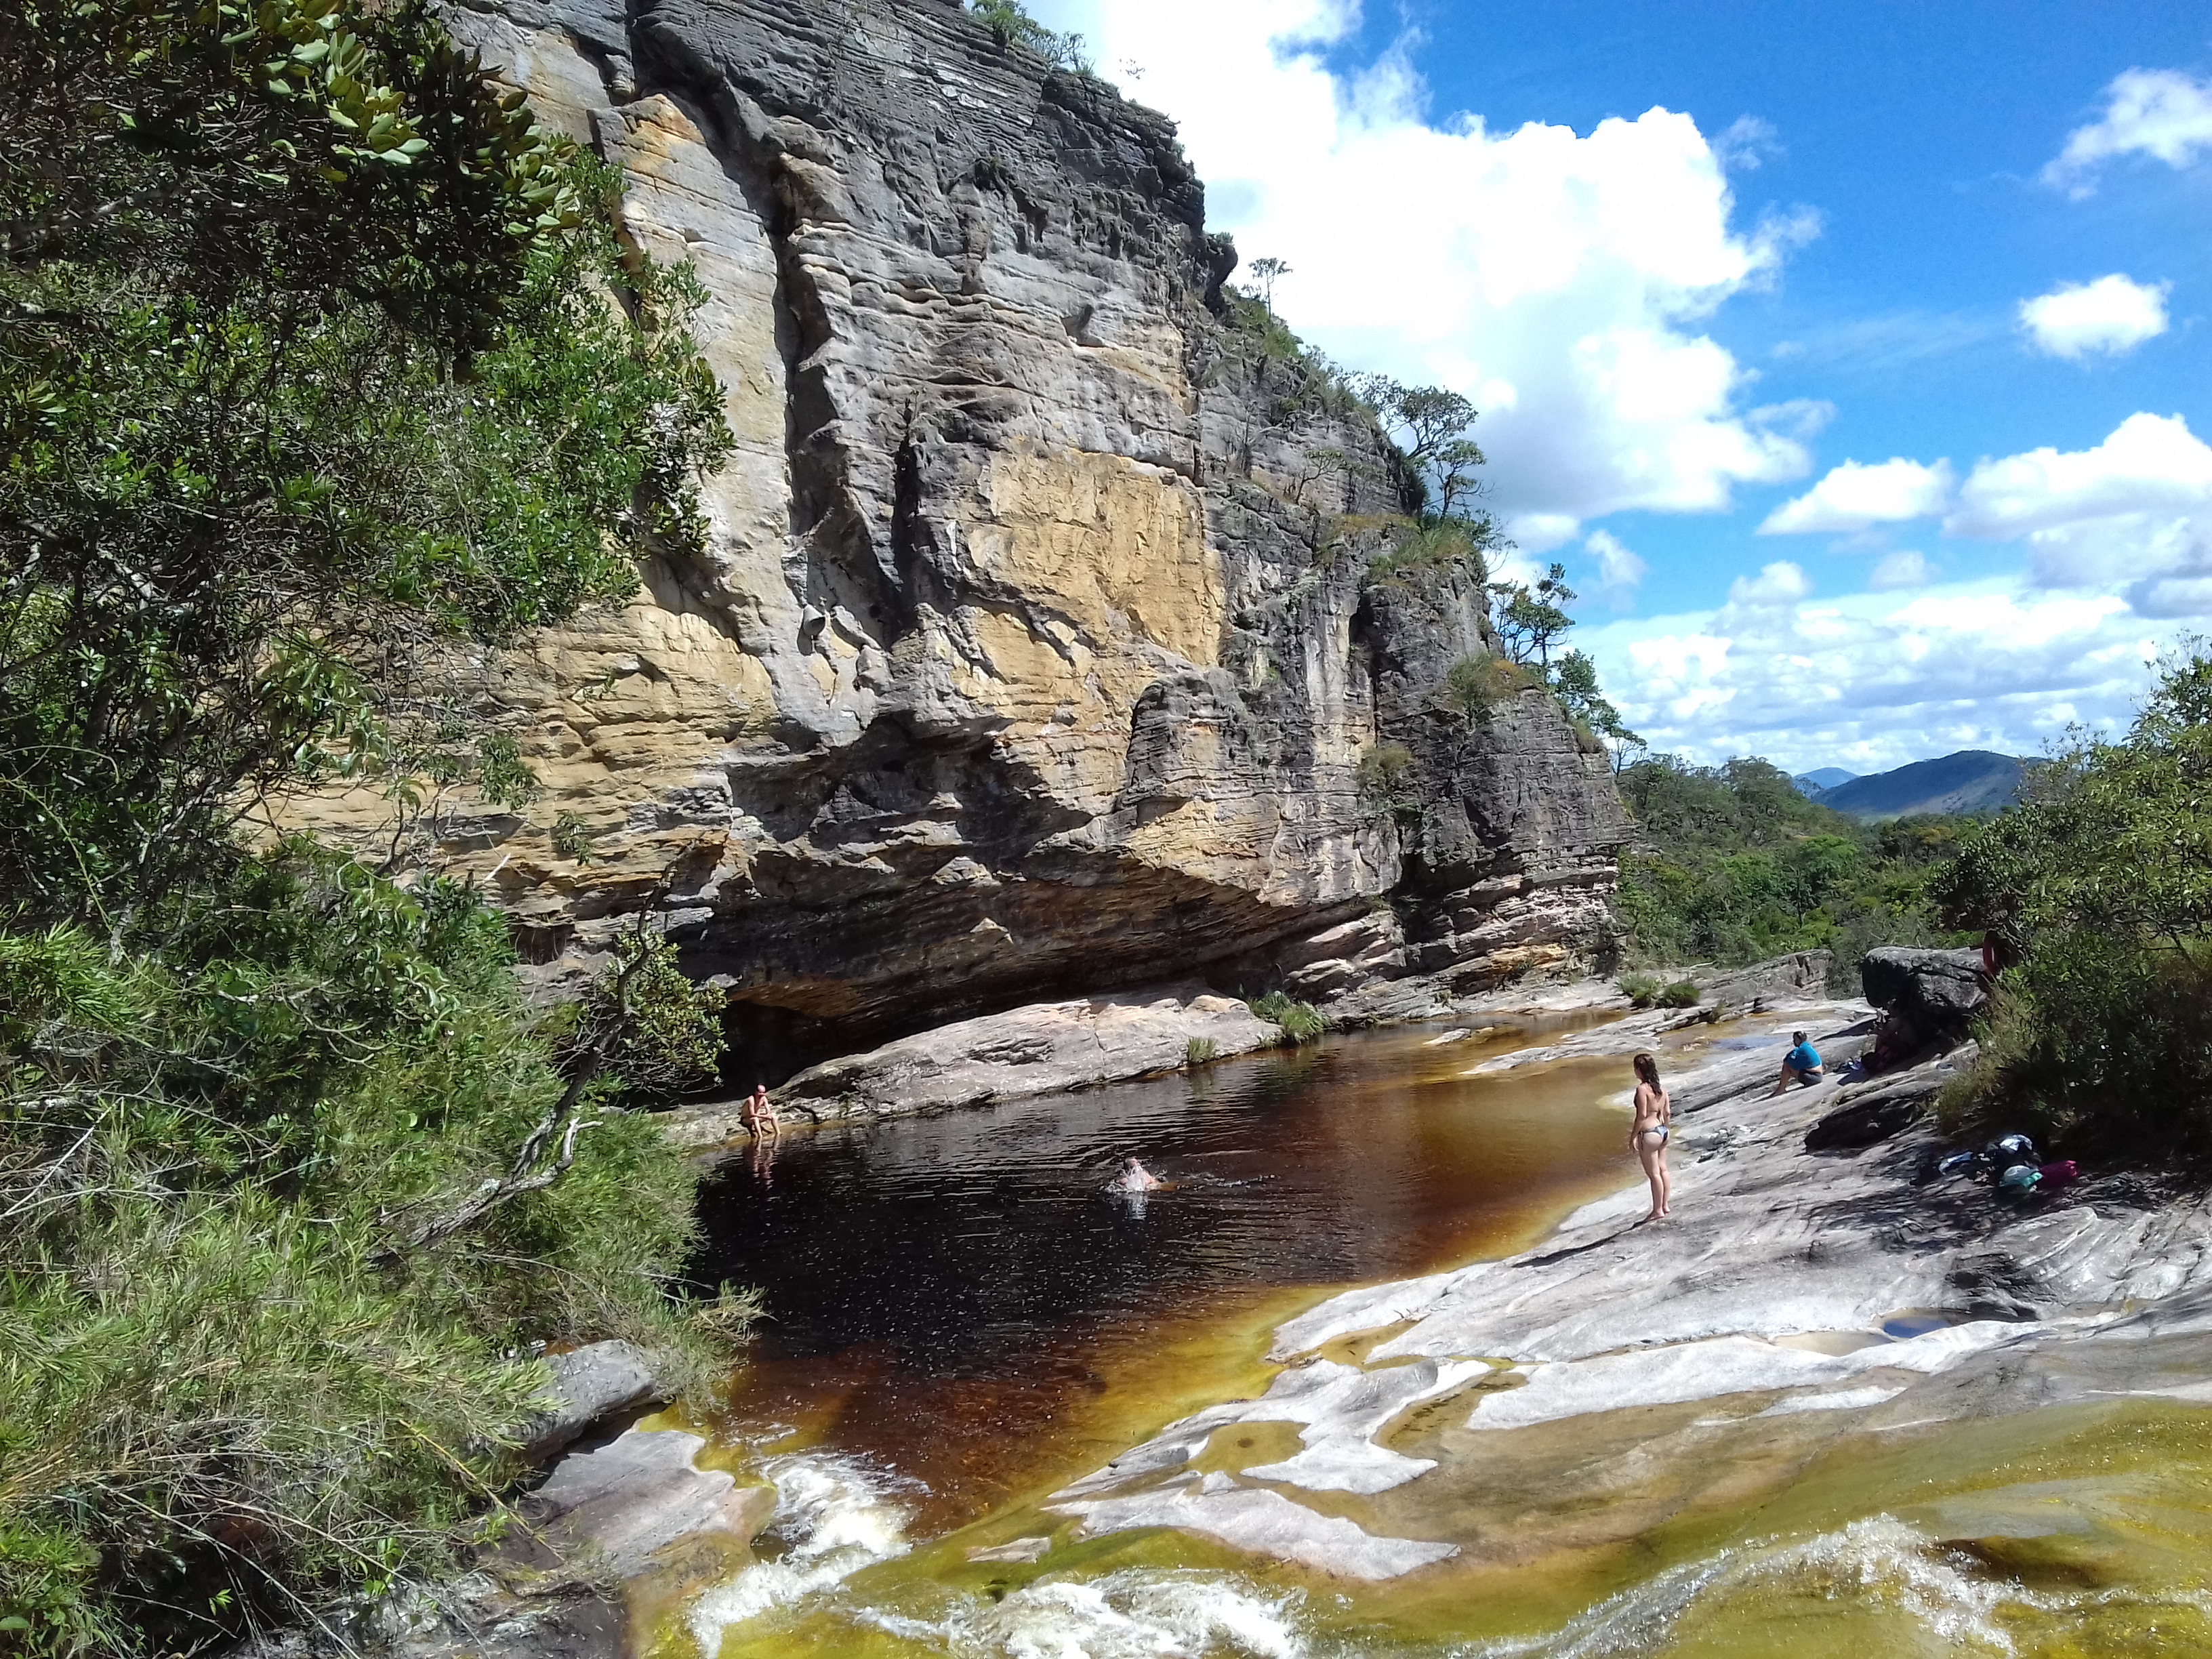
{"x":961,"y":1298}
{"x":964,"y":1316}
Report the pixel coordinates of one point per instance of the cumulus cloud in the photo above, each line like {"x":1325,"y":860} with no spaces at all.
{"x":2134,"y":511}
{"x":1904,"y":568}
{"x":1854,"y":498}
{"x":2113,"y":314}
{"x":1557,"y":278}
{"x":1874,"y":680}
{"x":1780,"y":583}
{"x":2157,"y":112}
{"x":1619,"y":569}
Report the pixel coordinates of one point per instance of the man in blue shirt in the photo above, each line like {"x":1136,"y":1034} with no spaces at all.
{"x":1801,"y":1065}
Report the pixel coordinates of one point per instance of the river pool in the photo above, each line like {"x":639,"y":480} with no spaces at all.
{"x":963,"y":1318}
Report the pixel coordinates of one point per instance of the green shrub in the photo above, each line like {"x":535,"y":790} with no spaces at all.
{"x":2101,"y":1031}
{"x":1197,"y":1051}
{"x":1452,"y":545}
{"x":1301,"y":1021}
{"x":1384,"y":779}
{"x":1475,"y":685}
{"x":1642,"y":990}
{"x":1682,"y":993}
{"x":228,"y":1172}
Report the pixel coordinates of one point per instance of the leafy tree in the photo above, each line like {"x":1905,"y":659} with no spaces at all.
{"x":1430,"y":425}
{"x":322,"y":375}
{"x":1530,"y":620}
{"x":317,"y":388}
{"x":1574,"y":682}
{"x":1011,"y":25}
{"x":1735,"y":864}
{"x":2100,"y":886}
{"x":1267,"y":272}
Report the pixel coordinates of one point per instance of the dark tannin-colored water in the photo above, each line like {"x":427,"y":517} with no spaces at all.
{"x":961,"y":1299}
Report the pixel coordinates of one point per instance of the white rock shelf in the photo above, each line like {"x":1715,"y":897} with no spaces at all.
{"x":1763,"y":1301}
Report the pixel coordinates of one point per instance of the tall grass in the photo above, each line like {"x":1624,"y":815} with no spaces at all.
{"x":222,"y":1395}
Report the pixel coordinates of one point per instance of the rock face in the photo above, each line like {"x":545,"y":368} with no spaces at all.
{"x":1035,"y":646}
{"x":1936,"y":993}
{"x":1038,"y":1049}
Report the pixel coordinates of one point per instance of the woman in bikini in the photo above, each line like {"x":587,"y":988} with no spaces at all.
{"x":1647,"y":1139}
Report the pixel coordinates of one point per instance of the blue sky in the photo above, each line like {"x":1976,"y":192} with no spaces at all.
{"x":1692,"y":260}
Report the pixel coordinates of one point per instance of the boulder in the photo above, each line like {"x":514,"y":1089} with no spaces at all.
{"x":634,"y":1500}
{"x":1865,"y":1121}
{"x":1042,"y":1048}
{"x":592,"y":1384}
{"x":1936,"y":992}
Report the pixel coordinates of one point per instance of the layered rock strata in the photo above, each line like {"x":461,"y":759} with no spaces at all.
{"x":1035,"y":647}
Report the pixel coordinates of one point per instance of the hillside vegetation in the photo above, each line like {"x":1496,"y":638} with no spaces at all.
{"x":2099,"y":886}
{"x":1735,"y":864}
{"x":314,"y":394}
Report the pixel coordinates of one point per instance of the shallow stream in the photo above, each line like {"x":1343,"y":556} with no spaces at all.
{"x":963,"y":1318}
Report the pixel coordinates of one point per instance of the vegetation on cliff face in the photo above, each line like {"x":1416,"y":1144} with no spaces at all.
{"x":1737,"y":865}
{"x":323,"y":374}
{"x":2099,"y":886}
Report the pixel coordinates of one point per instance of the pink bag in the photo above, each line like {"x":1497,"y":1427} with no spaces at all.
{"x":2064,"y":1173}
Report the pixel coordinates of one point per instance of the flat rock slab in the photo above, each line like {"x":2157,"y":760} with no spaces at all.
{"x":632,"y":1500}
{"x":1584,"y":1391}
{"x":592,"y":1384}
{"x":1042,"y":1048}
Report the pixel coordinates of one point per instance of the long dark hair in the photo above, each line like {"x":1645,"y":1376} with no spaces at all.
{"x":1647,"y":1067}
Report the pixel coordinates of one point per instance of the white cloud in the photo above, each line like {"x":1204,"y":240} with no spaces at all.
{"x":2157,"y":112}
{"x":1557,"y":278}
{"x":1853,"y":497}
{"x":1780,"y":583}
{"x":2135,"y":511}
{"x":1901,"y":569}
{"x":1619,"y":569}
{"x":2113,"y":314}
{"x":1872,"y":680}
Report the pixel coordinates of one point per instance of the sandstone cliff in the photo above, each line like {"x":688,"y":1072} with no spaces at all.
{"x":1036,"y":646}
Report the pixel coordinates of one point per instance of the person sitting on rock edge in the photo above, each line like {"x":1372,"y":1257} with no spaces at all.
{"x":759,"y":1114}
{"x":1801,"y":1065}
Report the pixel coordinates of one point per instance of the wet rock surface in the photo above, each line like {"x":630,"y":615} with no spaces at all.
{"x":1623,"y":1374}
{"x":592,"y":1384}
{"x":1035,"y":644}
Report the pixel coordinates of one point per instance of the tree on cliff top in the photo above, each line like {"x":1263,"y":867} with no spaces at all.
{"x":322,"y":373}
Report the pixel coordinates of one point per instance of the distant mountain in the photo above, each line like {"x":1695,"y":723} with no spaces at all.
{"x":1971,"y":780}
{"x":1812,"y":783}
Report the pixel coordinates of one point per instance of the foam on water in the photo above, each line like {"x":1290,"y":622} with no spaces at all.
{"x":834,"y":1515}
{"x":1879,"y":1561}
{"x":1140,"y":1613}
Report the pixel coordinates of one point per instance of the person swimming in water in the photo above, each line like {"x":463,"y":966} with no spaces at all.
{"x":1136,"y":1178}
{"x":1648,"y":1138}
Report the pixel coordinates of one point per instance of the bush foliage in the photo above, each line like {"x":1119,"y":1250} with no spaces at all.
{"x":2099,"y":886}
{"x":1737,"y":866}
{"x":1301,"y":1021}
{"x":323,"y":374}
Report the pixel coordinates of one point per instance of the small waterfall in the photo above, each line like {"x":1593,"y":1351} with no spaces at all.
{"x":834,"y":1515}
{"x":1139,"y":1612}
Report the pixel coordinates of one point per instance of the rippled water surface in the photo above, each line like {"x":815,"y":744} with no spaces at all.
{"x":963,"y":1318}
{"x":960,"y":1298}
